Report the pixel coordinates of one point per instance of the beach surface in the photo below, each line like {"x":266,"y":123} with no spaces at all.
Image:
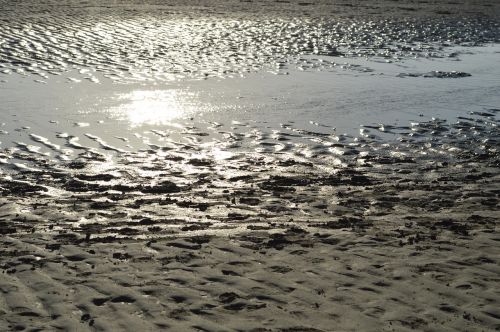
{"x":249,"y":166}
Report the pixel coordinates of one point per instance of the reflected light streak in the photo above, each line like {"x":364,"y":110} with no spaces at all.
{"x":157,"y":107}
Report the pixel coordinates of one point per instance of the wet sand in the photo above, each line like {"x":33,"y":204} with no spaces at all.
{"x":382,"y":236}
{"x":340,"y":174}
{"x":388,"y":243}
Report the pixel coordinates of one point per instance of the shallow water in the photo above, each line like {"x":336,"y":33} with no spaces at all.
{"x":231,"y":112}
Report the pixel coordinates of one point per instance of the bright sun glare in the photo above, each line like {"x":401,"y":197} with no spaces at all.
{"x":155,"y":107}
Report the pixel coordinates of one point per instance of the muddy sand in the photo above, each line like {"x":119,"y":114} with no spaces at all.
{"x":320,"y":167}
{"x":388,"y":242}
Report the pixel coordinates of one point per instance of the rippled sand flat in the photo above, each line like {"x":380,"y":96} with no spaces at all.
{"x":162,"y":41}
{"x":249,"y":165}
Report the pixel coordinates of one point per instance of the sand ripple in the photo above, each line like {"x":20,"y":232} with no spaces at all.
{"x":376,"y":234}
{"x":164,"y":42}
{"x":250,"y":177}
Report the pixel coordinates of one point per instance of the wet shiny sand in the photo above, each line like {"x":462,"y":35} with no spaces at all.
{"x":163,"y":41}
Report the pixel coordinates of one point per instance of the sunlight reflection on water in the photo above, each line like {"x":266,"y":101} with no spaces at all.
{"x":155,"y":107}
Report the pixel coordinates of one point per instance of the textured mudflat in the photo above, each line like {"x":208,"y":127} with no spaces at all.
{"x":399,"y":235}
{"x":260,"y":215}
{"x":324,"y":281}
